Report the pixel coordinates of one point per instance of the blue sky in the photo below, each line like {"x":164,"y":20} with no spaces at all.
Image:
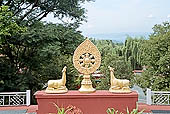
{"x":116,"y":16}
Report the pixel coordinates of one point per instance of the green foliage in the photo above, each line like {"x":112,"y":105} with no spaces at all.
{"x":122,"y":70}
{"x":110,"y":53}
{"x":134,"y":111}
{"x":8,"y":68}
{"x":113,"y":111}
{"x":156,"y":57}
{"x":69,"y":110}
{"x":56,"y":56}
{"x":124,"y":58}
{"x":149,"y":79}
{"x":32,"y":52}
{"x":60,"y":110}
{"x":30,"y":11}
{"x":77,"y":82}
{"x":8,"y":25}
{"x":132,"y":51}
{"x":105,"y":47}
{"x":40,"y":54}
{"x":158,"y":49}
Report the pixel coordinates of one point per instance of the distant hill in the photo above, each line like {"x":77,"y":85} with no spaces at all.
{"x":119,"y":37}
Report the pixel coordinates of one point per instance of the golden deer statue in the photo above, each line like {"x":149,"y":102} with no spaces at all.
{"x":118,"y":85}
{"x":58,"y":86}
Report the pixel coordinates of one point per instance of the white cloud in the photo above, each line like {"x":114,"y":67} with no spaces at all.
{"x":150,"y":16}
{"x":168,"y":16}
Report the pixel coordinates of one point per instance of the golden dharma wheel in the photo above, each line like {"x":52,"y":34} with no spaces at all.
{"x":87,"y":58}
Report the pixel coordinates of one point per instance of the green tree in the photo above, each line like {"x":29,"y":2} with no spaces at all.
{"x":8,"y":24}
{"x":112,"y":56}
{"x":158,"y":49}
{"x":56,"y":56}
{"x":132,"y":51}
{"x":31,"y":52}
{"x":29,"y":11}
{"x":105,"y":46}
{"x":156,"y":57}
{"x":27,"y":52}
{"x":40,"y":55}
{"x":25,"y":55}
{"x":122,"y":69}
{"x":37,"y":50}
{"x":8,"y":29}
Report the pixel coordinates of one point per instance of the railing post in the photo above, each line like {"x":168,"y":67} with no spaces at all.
{"x":168,"y":99}
{"x":28,"y":92}
{"x":148,"y":97}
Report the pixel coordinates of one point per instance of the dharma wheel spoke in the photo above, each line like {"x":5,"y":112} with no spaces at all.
{"x":87,"y":60}
{"x":93,"y":60}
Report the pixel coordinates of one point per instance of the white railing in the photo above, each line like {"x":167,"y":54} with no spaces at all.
{"x":157,"y":97}
{"x":15,"y":98}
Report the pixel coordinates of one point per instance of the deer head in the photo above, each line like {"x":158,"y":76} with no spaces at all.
{"x":111,"y":69}
{"x":64,"y":69}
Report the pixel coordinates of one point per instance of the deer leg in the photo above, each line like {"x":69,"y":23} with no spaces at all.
{"x":62,"y":87}
{"x":50,"y":88}
{"x":115,"y":87}
{"x":125,"y":88}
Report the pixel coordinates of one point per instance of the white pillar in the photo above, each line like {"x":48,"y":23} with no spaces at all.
{"x":148,"y":97}
{"x":28,"y":97}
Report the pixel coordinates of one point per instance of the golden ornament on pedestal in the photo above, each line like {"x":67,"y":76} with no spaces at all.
{"x":58,"y":86}
{"x":86,"y":60}
{"x":118,"y":85}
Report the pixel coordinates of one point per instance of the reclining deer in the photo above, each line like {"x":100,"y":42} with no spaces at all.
{"x":58,"y":86}
{"x":118,"y":85}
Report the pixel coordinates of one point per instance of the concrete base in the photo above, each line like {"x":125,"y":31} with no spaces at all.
{"x":93,"y":103}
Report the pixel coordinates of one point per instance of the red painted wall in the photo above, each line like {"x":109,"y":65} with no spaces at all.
{"x":93,"y":103}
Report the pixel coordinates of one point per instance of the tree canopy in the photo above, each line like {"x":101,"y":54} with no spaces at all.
{"x":32,"y":51}
{"x":132,"y":51}
{"x":111,"y":54}
{"x":156,"y":56}
{"x":29,"y":11}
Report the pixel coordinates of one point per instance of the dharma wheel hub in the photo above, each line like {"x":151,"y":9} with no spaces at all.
{"x":86,"y":60}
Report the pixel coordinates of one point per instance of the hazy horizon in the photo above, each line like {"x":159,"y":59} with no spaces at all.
{"x":119,"y":37}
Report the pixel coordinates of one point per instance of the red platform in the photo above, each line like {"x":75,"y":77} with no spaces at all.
{"x":93,"y":103}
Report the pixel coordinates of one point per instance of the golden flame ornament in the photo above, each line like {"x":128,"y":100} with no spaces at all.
{"x":86,"y":60}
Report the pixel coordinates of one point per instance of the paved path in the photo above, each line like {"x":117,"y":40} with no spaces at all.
{"x":32,"y":109}
{"x":13,"y":111}
{"x":149,"y":108}
{"x":28,"y":109}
